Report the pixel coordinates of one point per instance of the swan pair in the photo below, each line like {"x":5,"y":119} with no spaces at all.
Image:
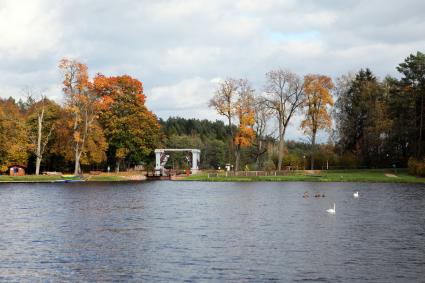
{"x":332,"y":210}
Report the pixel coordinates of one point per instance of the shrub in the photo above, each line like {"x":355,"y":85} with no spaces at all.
{"x":348,"y":160}
{"x":411,"y":165}
{"x":269,"y":165}
{"x":416,"y":167}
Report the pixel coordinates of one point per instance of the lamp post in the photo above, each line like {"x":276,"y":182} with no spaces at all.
{"x":304,"y":161}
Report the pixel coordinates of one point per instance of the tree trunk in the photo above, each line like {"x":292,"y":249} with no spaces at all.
{"x":231,"y":146}
{"x":420,"y":143}
{"x":237,"y":157}
{"x":37,"y":166}
{"x":38,"y":152}
{"x":77,"y":163}
{"x":313,"y":150}
{"x":258,"y":155}
{"x":117,"y":167}
{"x":281,"y":146}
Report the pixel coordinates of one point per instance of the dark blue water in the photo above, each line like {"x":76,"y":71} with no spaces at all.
{"x":190,"y":231}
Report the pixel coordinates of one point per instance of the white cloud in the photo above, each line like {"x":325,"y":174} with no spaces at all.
{"x":176,"y":47}
{"x":188,"y":98}
{"x":26,"y":29}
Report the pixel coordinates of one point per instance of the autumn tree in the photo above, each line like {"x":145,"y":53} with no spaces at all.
{"x":261,"y":120}
{"x":13,"y":135}
{"x":132,"y":131}
{"x":245,"y":114}
{"x":223,"y":102}
{"x":284,"y":94}
{"x":42,"y":115}
{"x":317,"y":89}
{"x":83,"y":104}
{"x":63,"y":145}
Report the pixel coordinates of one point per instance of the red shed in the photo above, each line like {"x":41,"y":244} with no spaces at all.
{"x":17,"y":170}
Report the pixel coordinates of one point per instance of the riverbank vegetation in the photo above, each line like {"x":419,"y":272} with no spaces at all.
{"x":112,"y":177}
{"x":103,"y":124}
{"x":365,"y":175}
{"x":371,"y":122}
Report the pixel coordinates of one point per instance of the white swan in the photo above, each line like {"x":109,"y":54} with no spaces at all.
{"x":331,"y":210}
{"x":356,"y":194}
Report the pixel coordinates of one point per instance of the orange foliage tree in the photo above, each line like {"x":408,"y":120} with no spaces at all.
{"x":245,"y":113}
{"x":132,"y":131}
{"x":317,"y":89}
{"x":13,"y":135}
{"x":83,"y":104}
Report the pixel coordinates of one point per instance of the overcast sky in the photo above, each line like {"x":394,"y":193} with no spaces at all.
{"x":180,"y":49}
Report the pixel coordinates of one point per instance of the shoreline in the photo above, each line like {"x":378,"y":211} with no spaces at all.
{"x":356,"y":176}
{"x":6,"y":179}
{"x":344,"y":176}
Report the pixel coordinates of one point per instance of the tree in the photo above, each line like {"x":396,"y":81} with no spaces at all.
{"x":132,"y":131}
{"x":213,"y":153}
{"x":363,"y":119}
{"x":402,"y":136}
{"x":41,"y":118}
{"x":13,"y":135}
{"x":178,"y":159}
{"x":413,"y":70}
{"x":63,"y":144}
{"x":284,"y":95}
{"x":317,"y":90}
{"x":224,"y":103}
{"x":261,"y":118}
{"x":245,"y":113}
{"x":82,"y":103}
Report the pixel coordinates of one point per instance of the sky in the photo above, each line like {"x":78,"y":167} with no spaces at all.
{"x":180,"y":50}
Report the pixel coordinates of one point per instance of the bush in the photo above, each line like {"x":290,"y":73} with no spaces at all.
{"x":416,"y":167}
{"x":348,"y":160}
{"x":269,"y":165}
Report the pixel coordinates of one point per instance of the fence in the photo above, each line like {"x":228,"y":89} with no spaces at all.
{"x":253,"y":173}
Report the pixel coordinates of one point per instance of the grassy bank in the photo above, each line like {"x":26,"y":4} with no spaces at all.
{"x":46,"y":179}
{"x":106,"y":178}
{"x":375,"y":175}
{"x":29,"y":178}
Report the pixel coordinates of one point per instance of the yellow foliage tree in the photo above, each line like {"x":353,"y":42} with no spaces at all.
{"x":13,"y":135}
{"x":317,"y":89}
{"x":244,"y":111}
{"x":83,"y":104}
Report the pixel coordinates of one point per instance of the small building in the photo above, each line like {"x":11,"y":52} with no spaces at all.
{"x":17,"y":170}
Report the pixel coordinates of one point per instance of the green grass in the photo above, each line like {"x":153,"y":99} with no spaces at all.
{"x":29,"y":178}
{"x":45,"y":178}
{"x":103,"y":178}
{"x":375,"y":175}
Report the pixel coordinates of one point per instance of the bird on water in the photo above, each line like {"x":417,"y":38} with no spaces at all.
{"x":331,"y":210}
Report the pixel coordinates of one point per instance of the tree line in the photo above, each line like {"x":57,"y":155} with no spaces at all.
{"x":103,"y":122}
{"x":378,"y":123}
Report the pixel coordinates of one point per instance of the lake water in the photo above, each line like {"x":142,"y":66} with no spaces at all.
{"x":194,"y":231}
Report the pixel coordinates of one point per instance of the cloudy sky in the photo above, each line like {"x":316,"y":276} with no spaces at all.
{"x":180,"y":49}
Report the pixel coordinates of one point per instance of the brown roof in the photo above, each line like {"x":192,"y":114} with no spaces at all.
{"x":17,"y":165}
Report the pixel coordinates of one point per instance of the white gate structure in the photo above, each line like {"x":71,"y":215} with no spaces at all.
{"x":161,"y":158}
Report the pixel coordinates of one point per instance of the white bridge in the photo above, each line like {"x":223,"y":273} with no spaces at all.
{"x":161,"y":159}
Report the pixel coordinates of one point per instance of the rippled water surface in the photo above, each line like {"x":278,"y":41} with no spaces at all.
{"x":244,"y":232}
